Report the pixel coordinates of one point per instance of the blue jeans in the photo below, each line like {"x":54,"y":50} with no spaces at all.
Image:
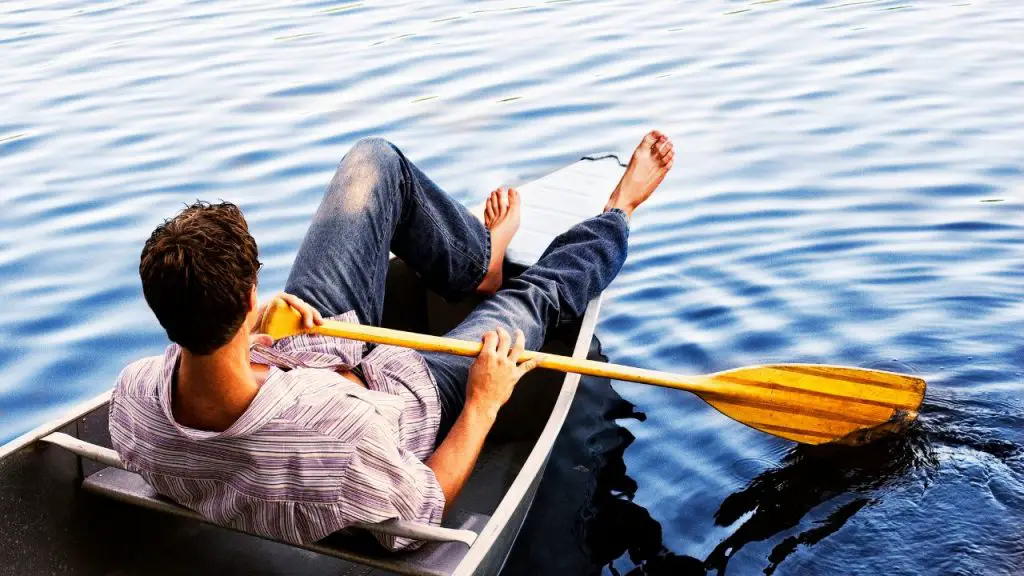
{"x":378,"y":201}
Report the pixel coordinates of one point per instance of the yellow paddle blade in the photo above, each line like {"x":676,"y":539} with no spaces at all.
{"x":814,"y":404}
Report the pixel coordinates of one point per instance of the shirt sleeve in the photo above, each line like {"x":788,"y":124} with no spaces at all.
{"x":384,"y":481}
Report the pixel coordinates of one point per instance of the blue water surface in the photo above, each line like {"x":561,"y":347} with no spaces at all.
{"x":847,"y":190}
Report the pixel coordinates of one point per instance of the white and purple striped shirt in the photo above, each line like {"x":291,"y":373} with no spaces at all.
{"x":313,"y":453}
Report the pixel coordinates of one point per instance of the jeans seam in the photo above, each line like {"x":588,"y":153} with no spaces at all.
{"x":458,"y":246}
{"x":382,"y":246}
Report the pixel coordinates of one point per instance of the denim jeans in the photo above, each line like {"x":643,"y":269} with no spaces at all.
{"x":378,"y":201}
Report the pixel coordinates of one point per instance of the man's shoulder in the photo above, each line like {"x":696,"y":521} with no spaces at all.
{"x":140,"y":378}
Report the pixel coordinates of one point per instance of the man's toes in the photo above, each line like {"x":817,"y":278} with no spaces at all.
{"x":667,"y":158}
{"x":663,"y":147}
{"x":502,"y":201}
{"x":513,"y":198}
{"x":649,"y":139}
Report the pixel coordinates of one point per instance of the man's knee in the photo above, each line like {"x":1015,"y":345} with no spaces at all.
{"x":374,"y":149}
{"x":366,"y":171}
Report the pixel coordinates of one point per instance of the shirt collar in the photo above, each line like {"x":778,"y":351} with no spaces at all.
{"x":264,"y":407}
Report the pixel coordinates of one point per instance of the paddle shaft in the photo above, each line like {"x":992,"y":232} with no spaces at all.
{"x":806,"y":403}
{"x":428,"y":343}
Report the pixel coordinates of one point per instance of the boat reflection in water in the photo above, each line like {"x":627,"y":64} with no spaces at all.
{"x":584,"y":518}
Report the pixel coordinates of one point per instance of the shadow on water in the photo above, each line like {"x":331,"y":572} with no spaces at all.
{"x":584,"y":517}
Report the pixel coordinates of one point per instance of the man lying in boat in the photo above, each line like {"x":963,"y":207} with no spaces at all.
{"x":299,"y":438}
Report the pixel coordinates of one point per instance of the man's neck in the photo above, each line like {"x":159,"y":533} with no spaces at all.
{"x":213,"y":391}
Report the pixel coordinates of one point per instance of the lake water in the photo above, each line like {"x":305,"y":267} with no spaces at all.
{"x":847,"y":190}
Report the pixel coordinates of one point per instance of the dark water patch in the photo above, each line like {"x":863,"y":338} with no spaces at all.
{"x":871,"y":72}
{"x":15,"y":143}
{"x":739,"y":104}
{"x":1003,"y":171}
{"x":816,"y":95}
{"x":688,"y":354}
{"x":830,"y":130}
{"x":42,"y":325}
{"x":307,"y":89}
{"x":9,"y":352}
{"x":975,"y":305}
{"x":498,"y":90}
{"x":975,"y":226}
{"x":250,"y":158}
{"x":974,"y":376}
{"x":708,"y":220}
{"x":761,"y":342}
{"x":712,"y":316}
{"x":295,"y":171}
{"x":131,"y":140}
{"x":751,"y":290}
{"x":535,"y":113}
{"x":26,"y":38}
{"x":891,"y":168}
{"x":957,"y":190}
{"x":96,"y":12}
{"x":902,"y":278}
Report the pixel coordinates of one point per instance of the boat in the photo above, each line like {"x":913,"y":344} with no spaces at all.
{"x":69,"y":506}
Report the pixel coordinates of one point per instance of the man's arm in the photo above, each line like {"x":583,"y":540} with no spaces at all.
{"x":492,"y":377}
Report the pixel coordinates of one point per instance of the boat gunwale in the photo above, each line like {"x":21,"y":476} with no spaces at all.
{"x":68,"y":416}
{"x":536,"y":462}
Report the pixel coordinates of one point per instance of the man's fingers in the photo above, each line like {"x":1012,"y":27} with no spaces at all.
{"x":518,"y":346}
{"x":527,"y":366}
{"x":297,"y":303}
{"x":307,"y":314}
{"x":504,"y":342}
{"x":490,"y":342}
{"x":310,"y":316}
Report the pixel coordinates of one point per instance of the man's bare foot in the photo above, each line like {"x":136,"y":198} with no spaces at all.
{"x":651,"y":161}
{"x":501,"y":217}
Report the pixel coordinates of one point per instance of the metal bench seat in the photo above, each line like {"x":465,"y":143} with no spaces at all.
{"x":444,"y":548}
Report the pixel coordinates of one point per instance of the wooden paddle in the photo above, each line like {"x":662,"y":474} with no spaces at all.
{"x":806,"y":403}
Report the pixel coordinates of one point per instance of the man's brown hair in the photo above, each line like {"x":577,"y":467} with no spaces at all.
{"x":197,"y":270}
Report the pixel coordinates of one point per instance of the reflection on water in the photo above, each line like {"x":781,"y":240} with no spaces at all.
{"x":779,"y":498}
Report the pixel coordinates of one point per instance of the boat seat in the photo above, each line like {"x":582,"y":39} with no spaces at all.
{"x":444,"y":546}
{"x":434,"y":557}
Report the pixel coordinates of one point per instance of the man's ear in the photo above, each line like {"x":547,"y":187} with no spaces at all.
{"x":254,"y":301}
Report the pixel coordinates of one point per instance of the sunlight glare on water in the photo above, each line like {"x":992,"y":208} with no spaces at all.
{"x":847,"y":190}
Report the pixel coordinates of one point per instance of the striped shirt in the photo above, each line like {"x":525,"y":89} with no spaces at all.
{"x":313,"y":453}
